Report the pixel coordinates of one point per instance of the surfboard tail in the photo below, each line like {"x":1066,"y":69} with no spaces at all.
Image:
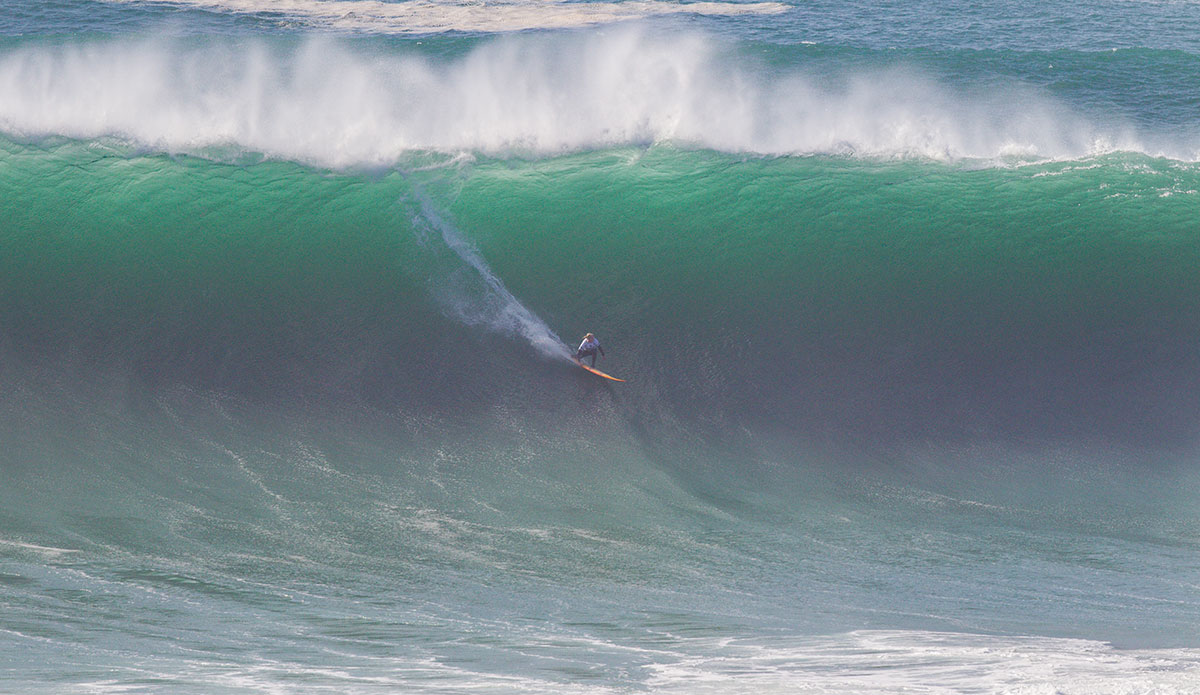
{"x":597,"y":372}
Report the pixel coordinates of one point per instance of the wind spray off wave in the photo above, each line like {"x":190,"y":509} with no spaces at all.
{"x":326,"y":103}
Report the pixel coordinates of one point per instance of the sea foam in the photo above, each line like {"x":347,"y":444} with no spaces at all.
{"x":896,"y":661}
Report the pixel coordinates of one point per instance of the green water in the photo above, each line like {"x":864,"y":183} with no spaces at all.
{"x":898,"y":299}
{"x":906,"y":298}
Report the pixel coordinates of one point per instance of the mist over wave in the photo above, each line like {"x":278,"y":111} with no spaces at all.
{"x":325,"y":103}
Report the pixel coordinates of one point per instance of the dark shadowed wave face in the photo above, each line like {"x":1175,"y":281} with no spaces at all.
{"x":808,"y":296}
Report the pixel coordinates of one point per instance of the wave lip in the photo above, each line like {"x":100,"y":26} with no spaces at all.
{"x":432,"y":17}
{"x":325,"y":104}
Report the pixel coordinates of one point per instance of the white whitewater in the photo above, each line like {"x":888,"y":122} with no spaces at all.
{"x":326,"y":104}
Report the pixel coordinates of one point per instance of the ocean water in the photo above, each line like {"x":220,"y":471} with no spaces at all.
{"x":907,"y":296}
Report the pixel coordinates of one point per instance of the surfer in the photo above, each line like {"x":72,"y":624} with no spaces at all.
{"x":588,"y":348}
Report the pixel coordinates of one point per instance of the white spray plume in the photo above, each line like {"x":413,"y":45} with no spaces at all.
{"x":326,"y":104}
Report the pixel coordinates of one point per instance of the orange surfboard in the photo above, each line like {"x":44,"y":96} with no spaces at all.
{"x":597,"y":372}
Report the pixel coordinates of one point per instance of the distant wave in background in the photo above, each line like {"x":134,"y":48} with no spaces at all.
{"x":432,"y":16}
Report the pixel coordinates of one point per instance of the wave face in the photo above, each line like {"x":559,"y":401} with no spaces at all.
{"x":798,"y":285}
{"x":910,"y":341}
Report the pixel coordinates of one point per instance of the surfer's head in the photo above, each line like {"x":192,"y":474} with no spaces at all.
{"x":589,"y":335}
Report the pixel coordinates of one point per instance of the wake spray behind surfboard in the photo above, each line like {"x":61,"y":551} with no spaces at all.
{"x":473,"y":293}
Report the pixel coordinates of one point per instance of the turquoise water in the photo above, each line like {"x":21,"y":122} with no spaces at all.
{"x":906,"y":298}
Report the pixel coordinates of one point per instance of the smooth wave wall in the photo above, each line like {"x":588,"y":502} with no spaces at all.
{"x":324,"y":103}
{"x":798,"y":295}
